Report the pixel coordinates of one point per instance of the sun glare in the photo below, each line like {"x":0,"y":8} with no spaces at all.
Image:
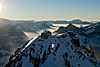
{"x":0,"y":6}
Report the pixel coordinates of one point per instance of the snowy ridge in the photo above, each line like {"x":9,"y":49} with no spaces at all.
{"x":70,"y":27}
{"x":89,"y":31}
{"x":91,"y":28}
{"x":70,"y":49}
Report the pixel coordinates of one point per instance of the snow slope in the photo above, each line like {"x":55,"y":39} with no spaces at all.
{"x":61,"y":50}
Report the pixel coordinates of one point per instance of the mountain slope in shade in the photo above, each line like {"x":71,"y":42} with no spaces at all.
{"x":93,"y":29}
{"x":62,"y":50}
{"x":70,"y":27}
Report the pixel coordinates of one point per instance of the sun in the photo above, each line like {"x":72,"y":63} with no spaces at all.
{"x":0,"y":6}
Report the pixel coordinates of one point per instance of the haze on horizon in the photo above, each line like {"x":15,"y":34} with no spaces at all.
{"x":88,"y":10}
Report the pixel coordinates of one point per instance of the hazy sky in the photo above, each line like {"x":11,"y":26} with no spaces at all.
{"x":50,"y":9}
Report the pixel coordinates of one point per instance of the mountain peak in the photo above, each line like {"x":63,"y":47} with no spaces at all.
{"x":70,"y":27}
{"x":77,"y":20}
{"x":70,"y":49}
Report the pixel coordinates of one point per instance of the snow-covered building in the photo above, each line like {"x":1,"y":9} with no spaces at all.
{"x":45,"y":34}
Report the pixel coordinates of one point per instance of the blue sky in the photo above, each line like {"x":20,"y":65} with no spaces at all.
{"x":51,"y":9}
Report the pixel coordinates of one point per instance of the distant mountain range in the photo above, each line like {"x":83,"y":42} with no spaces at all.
{"x":76,"y":21}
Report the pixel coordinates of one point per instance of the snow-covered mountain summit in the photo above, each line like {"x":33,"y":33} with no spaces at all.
{"x":61,"y":50}
{"x":78,"y":21}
